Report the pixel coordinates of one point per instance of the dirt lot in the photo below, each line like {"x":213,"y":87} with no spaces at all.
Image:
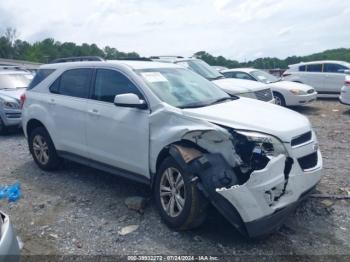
{"x":79,"y":210}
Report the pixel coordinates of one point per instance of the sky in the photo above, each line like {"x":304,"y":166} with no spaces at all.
{"x":237,"y":29}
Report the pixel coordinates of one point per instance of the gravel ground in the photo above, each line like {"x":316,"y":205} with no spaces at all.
{"x":79,"y":210}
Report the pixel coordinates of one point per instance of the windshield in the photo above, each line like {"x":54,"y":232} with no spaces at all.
{"x":264,"y":77}
{"x":14,"y":81}
{"x":202,"y":68}
{"x":181,"y":87}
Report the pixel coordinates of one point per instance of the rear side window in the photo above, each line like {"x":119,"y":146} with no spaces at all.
{"x":314,"y":68}
{"x":74,"y":82}
{"x":39,"y":77}
{"x":242,"y":75}
{"x":110,"y":83}
{"x":302,"y":68}
{"x":334,"y":68}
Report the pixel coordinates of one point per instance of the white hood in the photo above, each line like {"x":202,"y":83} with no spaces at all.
{"x":251,"y":114}
{"x":288,"y":85}
{"x":238,"y":86}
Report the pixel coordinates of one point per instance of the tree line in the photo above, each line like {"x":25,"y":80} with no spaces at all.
{"x":48,"y":49}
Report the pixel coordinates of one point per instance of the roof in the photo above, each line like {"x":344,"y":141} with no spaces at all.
{"x":133,"y":64}
{"x":322,"y":62}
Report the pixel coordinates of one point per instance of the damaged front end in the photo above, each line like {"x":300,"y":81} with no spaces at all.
{"x":243,"y":174}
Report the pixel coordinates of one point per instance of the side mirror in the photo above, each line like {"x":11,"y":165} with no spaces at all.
{"x":129,"y":100}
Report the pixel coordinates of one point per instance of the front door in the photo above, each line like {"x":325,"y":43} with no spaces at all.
{"x":117,"y":136}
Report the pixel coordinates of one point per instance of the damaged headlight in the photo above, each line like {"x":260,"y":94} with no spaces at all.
{"x":270,"y":145}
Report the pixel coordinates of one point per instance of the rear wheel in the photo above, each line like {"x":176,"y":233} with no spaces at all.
{"x":279,"y":99}
{"x":180,"y":203}
{"x":43,"y":150}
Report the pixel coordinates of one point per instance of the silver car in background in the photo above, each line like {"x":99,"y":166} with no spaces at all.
{"x":13,"y":82}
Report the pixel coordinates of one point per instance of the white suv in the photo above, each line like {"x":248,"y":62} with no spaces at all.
{"x":327,"y":77}
{"x":171,"y":129}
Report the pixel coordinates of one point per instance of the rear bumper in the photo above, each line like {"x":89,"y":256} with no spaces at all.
{"x":344,"y":97}
{"x":9,"y":249}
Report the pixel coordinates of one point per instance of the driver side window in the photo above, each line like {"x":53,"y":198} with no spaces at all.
{"x":109,"y":83}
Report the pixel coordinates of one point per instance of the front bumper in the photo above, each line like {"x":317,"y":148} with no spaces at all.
{"x":11,"y":117}
{"x":295,"y":100}
{"x":266,"y":199}
{"x":9,"y":248}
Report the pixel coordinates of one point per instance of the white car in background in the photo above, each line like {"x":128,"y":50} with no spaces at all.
{"x":285,"y":93}
{"x":345,"y":92}
{"x":231,"y":86}
{"x":327,"y":77}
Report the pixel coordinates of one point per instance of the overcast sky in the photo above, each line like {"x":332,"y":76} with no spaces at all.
{"x":237,"y":29}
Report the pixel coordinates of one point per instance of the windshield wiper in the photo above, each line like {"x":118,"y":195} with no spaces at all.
{"x":193,"y":105}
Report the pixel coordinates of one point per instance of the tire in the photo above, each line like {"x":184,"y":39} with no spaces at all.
{"x":3,"y":128}
{"x":40,"y":144}
{"x":193,"y":212}
{"x":279,"y":99}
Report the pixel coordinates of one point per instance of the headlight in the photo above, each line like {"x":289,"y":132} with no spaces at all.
{"x":297,"y":92}
{"x":270,"y":145}
{"x":8,"y":104}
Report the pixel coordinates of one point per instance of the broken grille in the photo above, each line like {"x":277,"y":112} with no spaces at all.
{"x":264,"y":95}
{"x":309,"y":161}
{"x":301,"y":139}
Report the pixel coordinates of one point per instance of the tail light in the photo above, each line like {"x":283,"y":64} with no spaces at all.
{"x":23,"y":99}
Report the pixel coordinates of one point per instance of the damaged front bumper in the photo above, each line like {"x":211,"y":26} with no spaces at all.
{"x":264,"y":201}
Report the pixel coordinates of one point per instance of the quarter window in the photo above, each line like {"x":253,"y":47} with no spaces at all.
{"x":302,"y":68}
{"x":110,"y":83}
{"x":314,"y":68}
{"x":39,"y":77}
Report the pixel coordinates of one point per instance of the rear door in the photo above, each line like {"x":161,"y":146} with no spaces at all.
{"x":67,"y":108}
{"x":117,"y":136}
{"x":314,"y":77}
{"x":334,"y":77}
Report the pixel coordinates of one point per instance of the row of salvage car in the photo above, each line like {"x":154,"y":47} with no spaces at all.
{"x":253,"y":161}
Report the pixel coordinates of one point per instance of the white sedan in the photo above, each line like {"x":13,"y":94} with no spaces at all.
{"x":286,"y":93}
{"x":345,"y":92}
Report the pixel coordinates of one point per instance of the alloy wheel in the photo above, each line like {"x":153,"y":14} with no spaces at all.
{"x":41,"y":149}
{"x":172,"y":192}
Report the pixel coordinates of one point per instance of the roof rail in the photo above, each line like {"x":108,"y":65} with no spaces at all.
{"x":135,"y":58}
{"x":77,"y":59}
{"x":12,"y":67}
{"x":166,"y":56}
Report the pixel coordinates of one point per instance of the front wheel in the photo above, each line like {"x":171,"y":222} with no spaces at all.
{"x":3,"y":128}
{"x":279,"y":99}
{"x":181,"y":205}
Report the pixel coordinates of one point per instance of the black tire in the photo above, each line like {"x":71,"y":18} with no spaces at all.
{"x":3,"y":128}
{"x":279,"y":99}
{"x":194,"y":209}
{"x":54,"y":160}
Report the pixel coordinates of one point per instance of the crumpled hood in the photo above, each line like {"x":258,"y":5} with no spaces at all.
{"x":290,"y":85}
{"x":14,"y":94}
{"x":238,"y":86}
{"x":251,"y":114}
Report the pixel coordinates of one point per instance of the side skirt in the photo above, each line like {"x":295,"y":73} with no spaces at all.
{"x":104,"y":167}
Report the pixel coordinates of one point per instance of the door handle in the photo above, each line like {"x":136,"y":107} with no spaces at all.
{"x":94,"y":112}
{"x":52,"y":101}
